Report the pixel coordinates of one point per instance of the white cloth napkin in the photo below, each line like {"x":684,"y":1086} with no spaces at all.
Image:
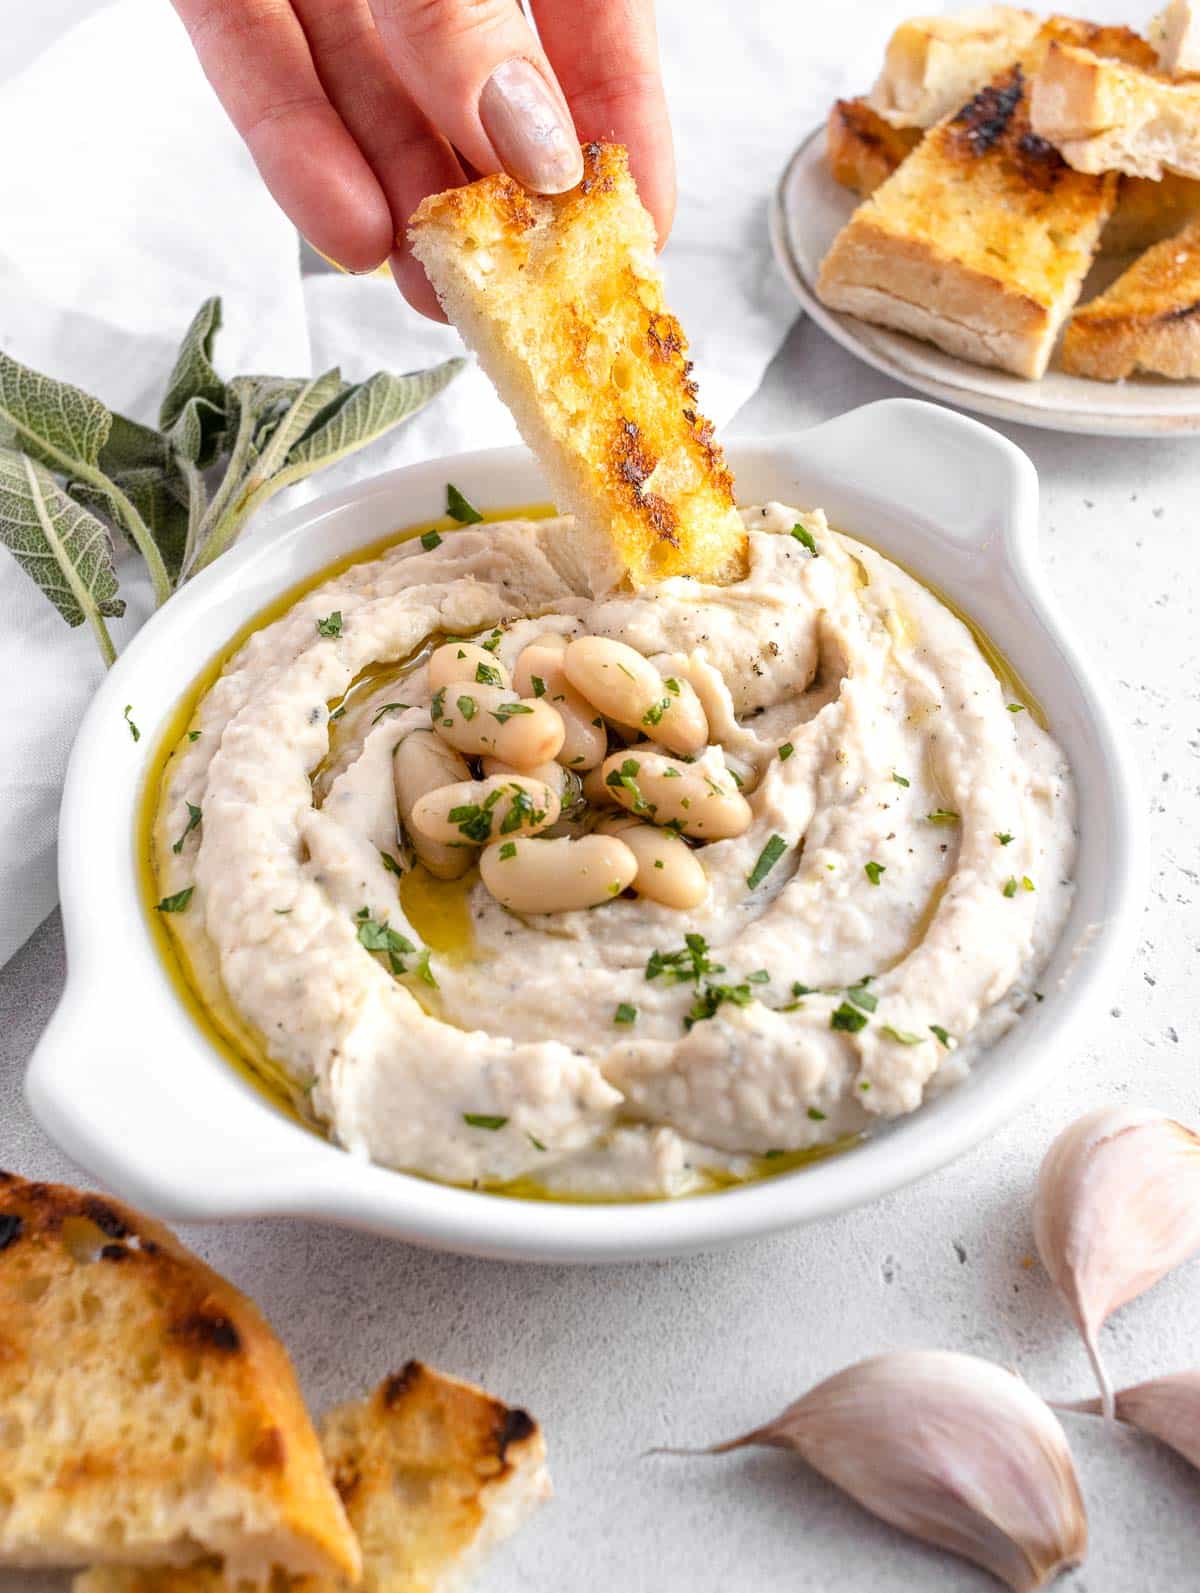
{"x":126,"y":199}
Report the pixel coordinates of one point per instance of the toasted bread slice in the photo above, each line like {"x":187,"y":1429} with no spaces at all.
{"x":433,"y":1472}
{"x":1149,"y":320}
{"x":562,"y":301}
{"x":1105,"y":116}
{"x":1176,"y":34}
{"x":147,"y":1412}
{"x":863,"y":150}
{"x":933,"y":65}
{"x":979,"y":242}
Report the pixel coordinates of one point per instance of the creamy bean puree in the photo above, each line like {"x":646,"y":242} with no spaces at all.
{"x":903,"y":876}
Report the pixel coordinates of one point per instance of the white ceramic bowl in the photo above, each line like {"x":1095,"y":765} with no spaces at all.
{"x":129,"y":1086}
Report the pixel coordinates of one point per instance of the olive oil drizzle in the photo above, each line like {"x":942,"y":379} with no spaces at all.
{"x":438,"y":910}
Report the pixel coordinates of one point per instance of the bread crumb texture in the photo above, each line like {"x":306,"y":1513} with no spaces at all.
{"x":1148,"y":321}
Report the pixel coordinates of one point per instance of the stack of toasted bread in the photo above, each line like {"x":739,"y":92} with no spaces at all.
{"x":997,"y":157}
{"x":151,"y":1428}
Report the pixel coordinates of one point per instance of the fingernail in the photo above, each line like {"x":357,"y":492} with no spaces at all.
{"x":529,"y":129}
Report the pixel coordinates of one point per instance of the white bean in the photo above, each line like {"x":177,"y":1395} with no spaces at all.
{"x":691,"y":797}
{"x":668,"y":870}
{"x":539,"y":673}
{"x":614,"y":677}
{"x":677,"y":719}
{"x":596,"y":792}
{"x":473,"y":812}
{"x":492,"y":721}
{"x":455,"y":661}
{"x":421,"y":763}
{"x":537,"y":875}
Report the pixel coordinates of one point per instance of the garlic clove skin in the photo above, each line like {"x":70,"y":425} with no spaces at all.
{"x":1167,"y":1408}
{"x":1117,"y":1207}
{"x":952,"y":1449}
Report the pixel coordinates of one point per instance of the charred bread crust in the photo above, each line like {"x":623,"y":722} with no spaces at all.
{"x":1148,"y":321}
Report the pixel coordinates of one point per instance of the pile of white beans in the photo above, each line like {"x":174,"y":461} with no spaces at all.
{"x":541,"y":743}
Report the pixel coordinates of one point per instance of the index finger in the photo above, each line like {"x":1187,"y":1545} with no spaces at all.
{"x":605,"y":55}
{"x":255,"y":55}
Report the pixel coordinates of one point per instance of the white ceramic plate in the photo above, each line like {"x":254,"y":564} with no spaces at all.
{"x":129,"y":1086}
{"x":809,"y":209}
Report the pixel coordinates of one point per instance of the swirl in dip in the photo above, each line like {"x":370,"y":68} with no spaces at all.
{"x":903,"y":877}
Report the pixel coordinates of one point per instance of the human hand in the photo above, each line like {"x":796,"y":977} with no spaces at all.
{"x":354,"y":110}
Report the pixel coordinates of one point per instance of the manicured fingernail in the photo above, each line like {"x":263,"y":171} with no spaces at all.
{"x":529,"y":129}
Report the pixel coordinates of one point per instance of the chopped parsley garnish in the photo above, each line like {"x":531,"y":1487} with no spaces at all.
{"x":377,"y":937}
{"x":133,"y":729}
{"x":874,"y":870}
{"x":508,"y":851}
{"x":459,"y":509}
{"x":653,"y":714}
{"x":521,"y":810}
{"x":431,"y":540}
{"x":786,"y":751}
{"x":539,"y":685}
{"x":1016,"y":707}
{"x":767,"y":859}
{"x":390,"y":708}
{"x":625,"y":779}
{"x":900,"y":780}
{"x":625,"y":1014}
{"x":672,"y":774}
{"x":392,"y":864}
{"x":331,"y":625}
{"x":535,"y":1142}
{"x":942,"y":816}
{"x":485,"y":1120}
{"x":472,"y":821}
{"x":760,"y":976}
{"x":862,"y":997}
{"x":193,"y":735}
{"x":942,"y":1036}
{"x":816,"y":1116}
{"x":1010,"y":889}
{"x":492,"y":645}
{"x":1004,"y":837}
{"x":509,"y":710}
{"x":176,"y":903}
{"x":806,"y":539}
{"x":902,"y":1036}
{"x":677,"y":967}
{"x":847,"y":1018}
{"x":488,"y":675}
{"x":467,"y":707}
{"x":1027,"y":882}
{"x":194,"y":817}
{"x":709,"y":1000}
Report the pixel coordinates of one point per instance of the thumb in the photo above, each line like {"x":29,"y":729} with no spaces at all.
{"x":479,"y":74}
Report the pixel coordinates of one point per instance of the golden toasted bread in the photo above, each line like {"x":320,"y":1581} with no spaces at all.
{"x":979,"y":242}
{"x":1111,"y":40}
{"x":933,"y":65}
{"x":1176,"y":35}
{"x":433,"y":1473}
{"x":147,"y":1412}
{"x":562,"y":301}
{"x":1148,"y":321}
{"x":1104,"y":115}
{"x":862,"y":149}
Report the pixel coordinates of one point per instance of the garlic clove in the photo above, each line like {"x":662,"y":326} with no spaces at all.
{"x":1117,"y":1206}
{"x":954,"y":1450}
{"x":1167,"y":1408}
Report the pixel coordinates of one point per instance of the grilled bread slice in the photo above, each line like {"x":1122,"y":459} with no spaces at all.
{"x":1176,"y":34}
{"x":562,"y":301}
{"x":863,"y":150}
{"x":433,"y":1473}
{"x":979,"y":242}
{"x":1104,"y":115}
{"x":147,"y":1411}
{"x":933,"y":65}
{"x":1149,"y":320}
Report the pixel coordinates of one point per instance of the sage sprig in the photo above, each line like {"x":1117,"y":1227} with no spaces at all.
{"x":72,"y":471}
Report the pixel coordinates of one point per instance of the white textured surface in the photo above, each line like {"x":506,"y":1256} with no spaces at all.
{"x":613,"y":1362}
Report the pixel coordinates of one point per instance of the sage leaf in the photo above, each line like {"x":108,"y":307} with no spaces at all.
{"x":142,"y":464}
{"x":63,"y":427}
{"x":62,"y":547}
{"x":194,"y":375}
